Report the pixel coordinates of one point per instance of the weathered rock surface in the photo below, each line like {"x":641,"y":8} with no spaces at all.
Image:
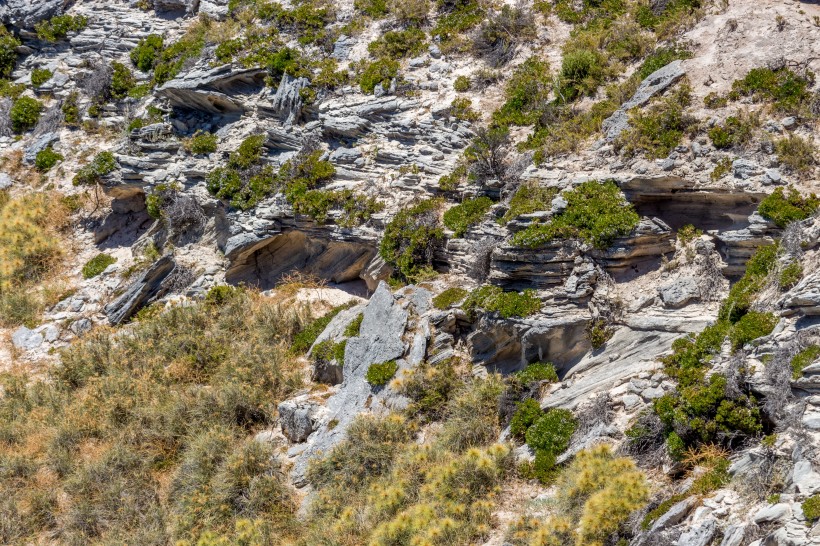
{"x":148,"y":287}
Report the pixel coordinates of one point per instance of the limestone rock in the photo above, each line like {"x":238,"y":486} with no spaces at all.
{"x":144,"y":290}
{"x":298,"y":419}
{"x":679,"y":292}
{"x":212,"y":90}
{"x":25,"y":14}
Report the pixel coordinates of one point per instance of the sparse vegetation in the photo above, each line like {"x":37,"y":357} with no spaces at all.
{"x":529,"y":198}
{"x":802,"y":359}
{"x":659,"y":128}
{"x":97,"y":265}
{"x":58,"y":27}
{"x":103,"y":164}
{"x":449,"y":297}
{"x":24,"y":114}
{"x":463,"y":216}
{"x":378,"y":72}
{"x":811,"y":509}
{"x":411,"y":237}
{"x":797,"y":154}
{"x":493,"y":299}
{"x":398,"y":44}
{"x":736,"y":131}
{"x":202,"y":142}
{"x":380,"y":374}
{"x":8,"y":52}
{"x":147,"y":51}
{"x":787,"y":90}
{"x":462,"y":84}
{"x":46,"y":159}
{"x":39,"y":76}
{"x":786,"y":205}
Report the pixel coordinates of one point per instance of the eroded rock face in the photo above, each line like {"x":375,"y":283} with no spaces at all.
{"x":148,"y":287}
{"x":25,"y":14}
{"x":212,"y":90}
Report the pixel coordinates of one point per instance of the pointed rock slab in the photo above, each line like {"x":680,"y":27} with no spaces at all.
{"x":144,"y":290}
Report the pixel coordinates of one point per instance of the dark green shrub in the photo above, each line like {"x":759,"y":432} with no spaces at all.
{"x":507,"y":304}
{"x":462,"y":109}
{"x":811,"y":509}
{"x":582,"y":71}
{"x":736,"y":131}
{"x":147,"y":51}
{"x":751,"y":326}
{"x":743,"y":292}
{"x":527,"y":413}
{"x":97,"y":265}
{"x":411,"y":237}
{"x":675,"y":446}
{"x":790,"y":275}
{"x":797,"y":154}
{"x":303,"y":340}
{"x":660,"y":58}
{"x":122,"y":80}
{"x":71,"y":109}
{"x":537,"y":371}
{"x":352,"y":329}
{"x":8,"y":52}
{"x":691,"y":354}
{"x":46,"y":159}
{"x":802,"y":359}
{"x":58,"y":27}
{"x":398,"y":44}
{"x":248,"y":153}
{"x":39,"y":76}
{"x":172,"y":58}
{"x":24,"y":114}
{"x":380,"y":374}
{"x":552,"y":431}
{"x":526,"y":93}
{"x":202,"y":142}
{"x":529,"y":198}
{"x":103,"y":164}
{"x":462,"y":217}
{"x":378,"y":72}
{"x":596,"y":213}
{"x":598,"y":332}
{"x":449,"y":297}
{"x":462,"y":84}
{"x":374,"y":8}
{"x":785,"y":88}
{"x":784,"y":206}
{"x":658,"y":129}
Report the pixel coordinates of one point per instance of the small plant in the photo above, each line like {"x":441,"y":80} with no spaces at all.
{"x":24,"y":114}
{"x":582,"y":71}
{"x":380,"y":374}
{"x":660,"y":58}
{"x":529,"y":198}
{"x":797,"y":154}
{"x":462,"y":217}
{"x":103,"y":164}
{"x":723,"y":167}
{"x":551,"y":432}
{"x":527,"y":413}
{"x":714,"y":101}
{"x":8,"y":52}
{"x":352,"y":329}
{"x":811,"y":509}
{"x":39,"y":76}
{"x":145,"y":55}
{"x":71,"y":109}
{"x":374,"y":8}
{"x":599,"y":331}
{"x":462,"y":84}
{"x":688,"y":233}
{"x":537,"y":371}
{"x":659,"y":128}
{"x":46,"y":159}
{"x":780,"y":22}
{"x":449,"y":297}
{"x":58,"y":27}
{"x":378,"y":72}
{"x":784,"y":206}
{"x":305,"y":338}
{"x":462,"y":109}
{"x":507,"y":304}
{"x":751,"y":326}
{"x":596,"y":213}
{"x":735,"y":132}
{"x":97,"y":265}
{"x":802,"y":359}
{"x":527,"y":91}
{"x":398,"y":44}
{"x":122,"y":81}
{"x":790,"y":275}
{"x":411,"y":237}
{"x":786,"y":89}
{"x":202,"y":142}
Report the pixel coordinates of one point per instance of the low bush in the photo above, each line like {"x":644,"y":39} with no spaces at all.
{"x":147,"y":52}
{"x":736,"y":131}
{"x":582,"y":71}
{"x":537,"y":371}
{"x":411,"y":237}
{"x":378,"y":72}
{"x":660,"y":58}
{"x":659,"y":128}
{"x":97,"y":265}
{"x":750,"y":327}
{"x":169,"y":62}
{"x":102,"y":164}
{"x":373,"y":8}
{"x":797,"y":154}
{"x":493,"y":299}
{"x":495,"y":41}
{"x":462,"y":109}
{"x":527,"y":92}
{"x":398,"y":44}
{"x":412,"y":13}
{"x":788,"y":91}
{"x":46,"y":159}
{"x":380,"y":374}
{"x":462,"y":84}
{"x":8,"y":52}
{"x":429,"y":388}
{"x":723,"y":167}
{"x":529,"y":198}
{"x":202,"y":142}
{"x":455,"y":18}
{"x":306,"y":337}
{"x":552,"y":431}
{"x":449,"y":297}
{"x":598,"y":332}
{"x":786,"y":205}
{"x":463,"y":216}
{"x":71,"y":109}
{"x":122,"y":81}
{"x":811,"y":509}
{"x":790,"y":275}
{"x":802,"y":359}
{"x":596,"y":213}
{"x":743,"y":292}
{"x":58,"y":27}
{"x":39,"y":76}
{"x":526,"y":414}
{"x":24,"y":114}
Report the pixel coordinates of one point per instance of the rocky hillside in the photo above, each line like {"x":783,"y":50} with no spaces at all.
{"x":409,"y":272}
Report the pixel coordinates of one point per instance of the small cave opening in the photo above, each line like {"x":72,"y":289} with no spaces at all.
{"x":127,"y":221}
{"x":705,"y":210}
{"x":268,"y":262}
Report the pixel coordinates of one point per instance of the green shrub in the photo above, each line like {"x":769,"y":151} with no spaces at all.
{"x":24,"y":114}
{"x":8,"y":52}
{"x":202,"y":142}
{"x":790,"y":275}
{"x":378,"y":72}
{"x":374,"y":8}
{"x":449,"y":182}
{"x":380,"y":374}
{"x":658,"y":129}
{"x":411,"y":237}
{"x":751,"y":326}
{"x":462,"y":84}
{"x":811,"y":509}
{"x":221,"y":294}
{"x":529,"y":198}
{"x":328,"y":351}
{"x":398,"y":44}
{"x":527,"y":91}
{"x":797,"y":154}
{"x":71,"y":109}
{"x":39,"y":76}
{"x":784,"y":206}
{"x":537,"y":371}
{"x":103,"y":164}
{"x":456,"y":18}
{"x":596,"y":213}
{"x":248,"y":153}
{"x":723,"y":167}
{"x":46,"y":159}
{"x":462,"y":217}
{"x":743,"y":292}
{"x":462,"y":109}
{"x":736,"y":131}
{"x":526,"y":413}
{"x":122,"y":80}
{"x":97,"y":265}
{"x":582,"y":71}
{"x":552,"y":431}
{"x":802,"y":359}
{"x":429,"y":388}
{"x":304,"y":339}
{"x":169,"y":62}
{"x":688,"y":233}
{"x":147,"y":51}
{"x":660,"y":58}
{"x":58,"y":27}
{"x":449,"y":297}
{"x":352,"y":329}
{"x":507,"y":304}
{"x":598,"y":332}
{"x":714,"y":101}
{"x":784,"y":87}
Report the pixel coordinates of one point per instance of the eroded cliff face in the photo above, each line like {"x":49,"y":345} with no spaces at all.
{"x":255,"y":149}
